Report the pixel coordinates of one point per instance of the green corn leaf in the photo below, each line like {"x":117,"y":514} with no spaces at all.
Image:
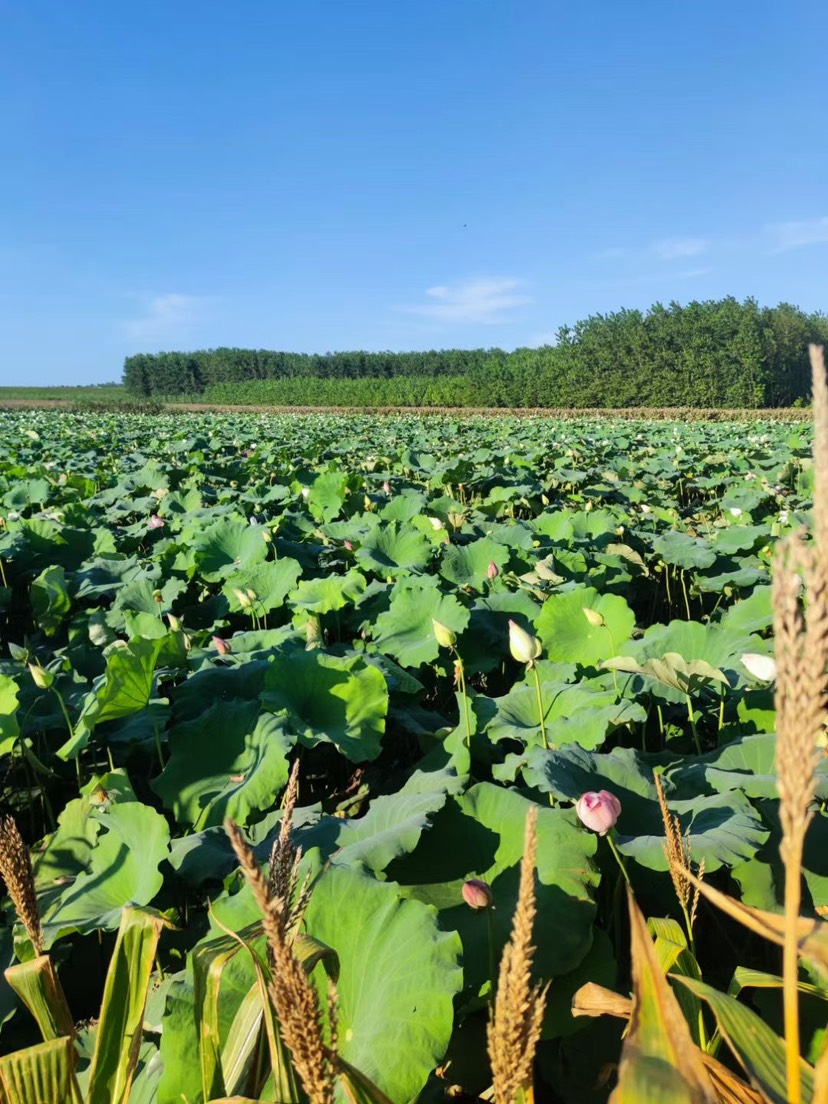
{"x":744,"y":978}
{"x":38,"y":986}
{"x":676,"y":957}
{"x":244,"y":1035}
{"x":122,"y":1009}
{"x":42,"y":1074}
{"x":358,"y":1088}
{"x":659,"y":1062}
{"x":758,"y":1048}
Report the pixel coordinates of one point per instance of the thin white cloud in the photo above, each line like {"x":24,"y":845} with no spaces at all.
{"x":167,"y":317}
{"x":794,"y":235}
{"x":670,"y":249}
{"x":486,"y":301}
{"x":542,"y":339}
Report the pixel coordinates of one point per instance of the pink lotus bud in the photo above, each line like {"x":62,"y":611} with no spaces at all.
{"x":492,"y":571}
{"x":598,"y":810}
{"x":524,"y":647}
{"x":155,"y":522}
{"x":386,"y":487}
{"x":221,"y":645}
{"x":348,"y":545}
{"x":477,"y":894}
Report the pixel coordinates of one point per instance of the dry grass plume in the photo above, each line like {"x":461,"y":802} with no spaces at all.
{"x":16,"y":868}
{"x":515,"y":1025}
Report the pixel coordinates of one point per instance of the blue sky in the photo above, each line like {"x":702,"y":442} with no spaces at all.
{"x":378,"y":174}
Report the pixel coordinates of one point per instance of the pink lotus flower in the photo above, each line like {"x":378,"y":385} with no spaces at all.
{"x":477,"y":894}
{"x":598,"y":810}
{"x":155,"y":522}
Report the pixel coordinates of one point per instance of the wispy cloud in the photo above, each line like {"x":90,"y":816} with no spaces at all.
{"x":670,"y":249}
{"x":486,"y":301}
{"x":166,"y":317}
{"x":793,"y":235}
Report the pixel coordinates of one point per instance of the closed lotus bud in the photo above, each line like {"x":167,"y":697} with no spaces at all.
{"x":221,"y":645}
{"x":444,"y":636}
{"x":242,"y":598}
{"x":436,"y":524}
{"x":477,"y":894}
{"x":524,"y":647}
{"x":762,"y":667}
{"x":174,"y":623}
{"x":266,"y":537}
{"x":313,"y":633}
{"x":594,"y":617}
{"x":492,"y":571}
{"x":387,"y":487}
{"x":42,"y":678}
{"x":155,"y":522}
{"x":348,"y":546}
{"x":598,"y":810}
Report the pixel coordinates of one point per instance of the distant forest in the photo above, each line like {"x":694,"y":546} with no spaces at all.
{"x":715,"y":353}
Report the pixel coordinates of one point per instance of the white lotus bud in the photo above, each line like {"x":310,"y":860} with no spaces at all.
{"x":762,"y":667}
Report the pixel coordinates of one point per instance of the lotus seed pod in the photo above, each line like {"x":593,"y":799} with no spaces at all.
{"x":594,"y":617}
{"x":477,"y":894}
{"x":444,"y":636}
{"x":598,"y":810}
{"x":524,"y":647}
{"x":157,"y":596}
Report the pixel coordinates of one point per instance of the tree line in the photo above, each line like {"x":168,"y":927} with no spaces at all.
{"x":713,"y":353}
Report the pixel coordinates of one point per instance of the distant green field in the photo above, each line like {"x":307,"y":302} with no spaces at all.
{"x":107,"y":392}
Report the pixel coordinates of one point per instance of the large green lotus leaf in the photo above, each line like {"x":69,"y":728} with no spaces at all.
{"x":242,"y":683}
{"x":324,"y":698}
{"x":391,"y":827}
{"x":571,"y":714}
{"x":566,"y":525}
{"x":762,"y":878}
{"x":716,"y":645}
{"x":397,"y":980}
{"x":571,"y":634}
{"x":329,"y":592}
{"x":466,"y":565}
{"x":9,"y":729}
{"x":724,"y":828}
{"x":327,"y":493}
{"x":139,"y":596}
{"x":682,"y":550}
{"x":181,"y":1077}
{"x":481,"y":834}
{"x":227,"y":762}
{"x":741,"y":538}
{"x":270,"y":581}
{"x":50,"y":599}
{"x":124,"y":688}
{"x":747,"y":764}
{"x":406,"y":631}
{"x":394,"y":550}
{"x":132,"y":841}
{"x":220,"y":549}
{"x":404,"y":506}
{"x":105,"y":575}
{"x":753,"y":614}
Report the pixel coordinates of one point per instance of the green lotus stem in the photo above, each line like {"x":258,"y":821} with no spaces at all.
{"x":540,"y":707}
{"x":618,"y":858}
{"x":692,"y":720}
{"x":462,"y":675}
{"x":686,"y":599}
{"x":667,"y":585}
{"x":3,"y":574}
{"x":492,"y":955}
{"x":721,"y":712}
{"x":613,"y":652}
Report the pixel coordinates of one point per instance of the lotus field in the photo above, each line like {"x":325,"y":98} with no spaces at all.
{"x":379,"y":643}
